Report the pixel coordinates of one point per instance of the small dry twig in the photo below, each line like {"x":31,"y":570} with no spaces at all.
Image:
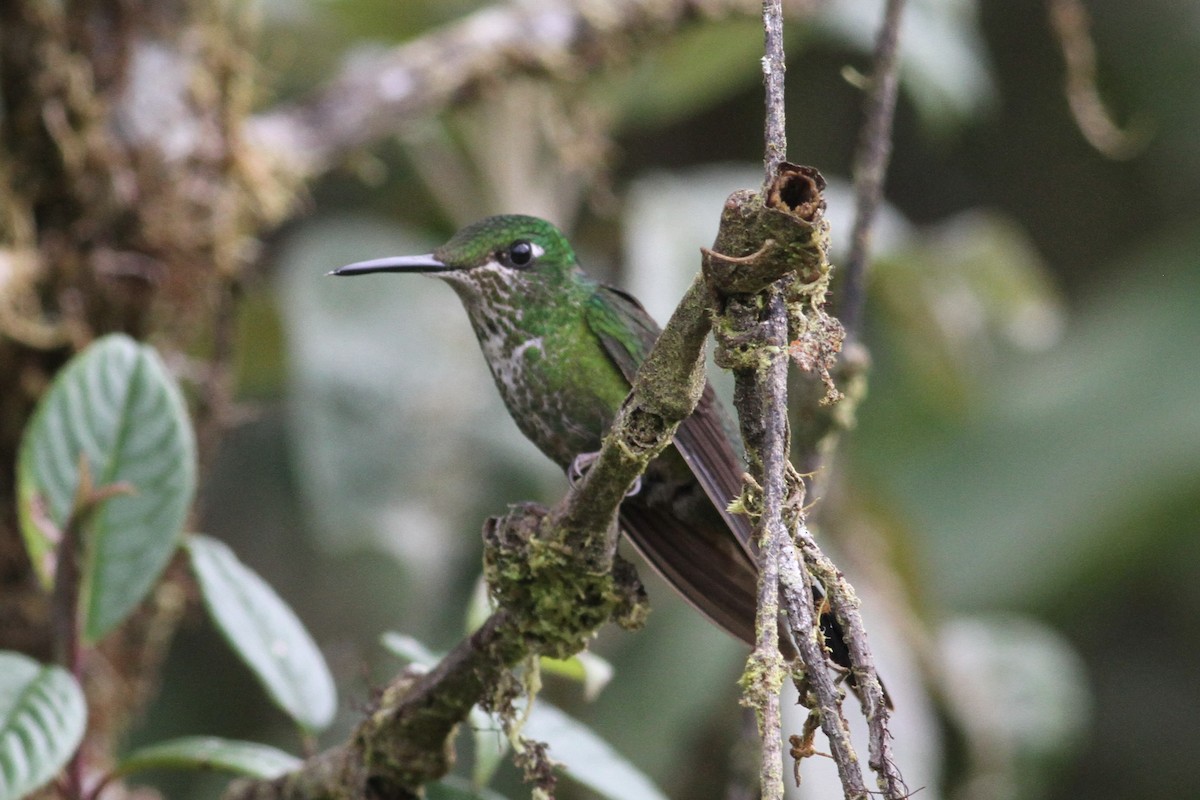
{"x":1070,"y":22}
{"x":871,"y":163}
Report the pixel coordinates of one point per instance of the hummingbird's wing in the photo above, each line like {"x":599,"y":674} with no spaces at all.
{"x":680,"y":521}
{"x":708,"y":439}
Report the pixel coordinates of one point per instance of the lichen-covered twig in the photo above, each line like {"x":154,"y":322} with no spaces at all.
{"x":774,"y":66}
{"x":817,"y":339}
{"x":797,"y":593}
{"x":844,"y":603}
{"x":766,"y":266}
{"x":760,"y":396}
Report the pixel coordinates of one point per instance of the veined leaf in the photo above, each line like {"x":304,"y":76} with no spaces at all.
{"x":42,"y":719}
{"x":586,"y":757}
{"x":114,"y":405}
{"x":265,"y":633}
{"x":251,"y":759}
{"x":589,"y":759}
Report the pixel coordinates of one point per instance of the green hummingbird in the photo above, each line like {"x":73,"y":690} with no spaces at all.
{"x":563,"y":349}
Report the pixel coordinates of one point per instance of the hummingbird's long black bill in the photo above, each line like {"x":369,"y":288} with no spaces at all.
{"x":425,"y":263}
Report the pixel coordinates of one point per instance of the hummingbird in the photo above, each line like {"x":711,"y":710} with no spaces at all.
{"x":563,"y":349}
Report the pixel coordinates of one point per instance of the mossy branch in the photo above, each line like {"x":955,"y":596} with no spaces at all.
{"x":557,"y":580}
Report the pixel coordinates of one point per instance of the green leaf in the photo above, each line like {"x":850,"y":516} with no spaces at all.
{"x":409,"y":649}
{"x":251,"y":759}
{"x":265,"y":633}
{"x":588,"y":758}
{"x":42,"y":719}
{"x":693,"y":69}
{"x":116,"y":405}
{"x":587,"y":668}
{"x":479,"y":607}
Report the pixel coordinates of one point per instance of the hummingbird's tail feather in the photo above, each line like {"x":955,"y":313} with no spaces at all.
{"x":718,"y":580}
{"x":718,"y":577}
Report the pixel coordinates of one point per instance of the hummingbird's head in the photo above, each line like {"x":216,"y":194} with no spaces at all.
{"x":503,"y":254}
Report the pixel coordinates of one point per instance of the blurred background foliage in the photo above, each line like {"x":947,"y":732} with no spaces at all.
{"x":1025,"y":471}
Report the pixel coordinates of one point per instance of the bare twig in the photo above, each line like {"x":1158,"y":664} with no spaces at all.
{"x":844,"y":602}
{"x":768,"y":386}
{"x":870,"y":164}
{"x":1070,"y":21}
{"x":68,"y":575}
{"x":797,"y":595}
{"x":774,"y":67}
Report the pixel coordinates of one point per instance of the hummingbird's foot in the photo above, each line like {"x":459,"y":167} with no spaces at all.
{"x":583,"y":462}
{"x":579,"y":467}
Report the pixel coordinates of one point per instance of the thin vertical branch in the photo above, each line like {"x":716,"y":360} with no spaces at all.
{"x":767,"y":388}
{"x":757,"y":295}
{"x":761,"y":396}
{"x":774,"y":67}
{"x":871,"y":163}
{"x":870,"y":169}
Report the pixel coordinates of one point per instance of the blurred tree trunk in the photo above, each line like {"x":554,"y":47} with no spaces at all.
{"x":125,"y":205}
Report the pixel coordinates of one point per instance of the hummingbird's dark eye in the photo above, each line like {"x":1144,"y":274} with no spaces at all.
{"x":520,"y":253}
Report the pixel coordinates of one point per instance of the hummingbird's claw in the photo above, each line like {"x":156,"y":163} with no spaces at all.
{"x":579,"y":467}
{"x":583,"y":462}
